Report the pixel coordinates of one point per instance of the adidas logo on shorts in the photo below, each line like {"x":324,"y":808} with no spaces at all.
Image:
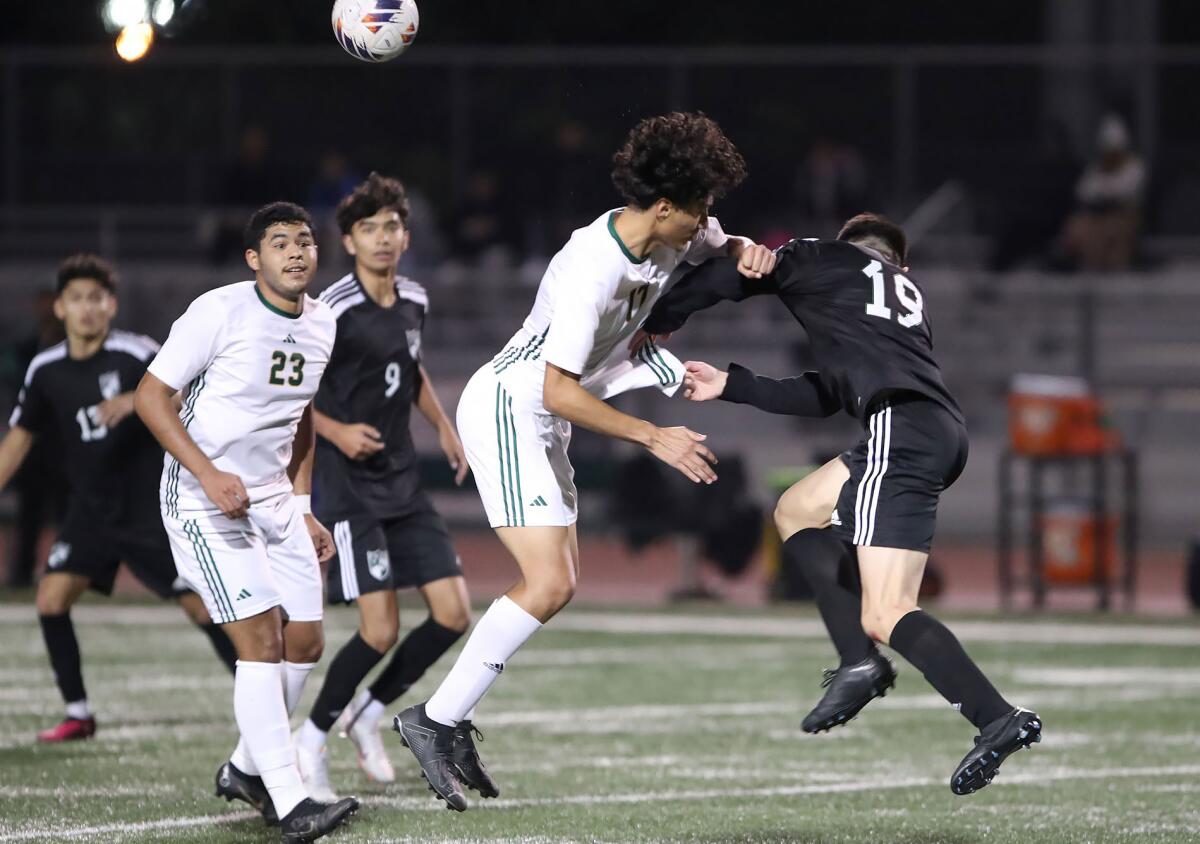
{"x":538,"y":502}
{"x":245,"y":593}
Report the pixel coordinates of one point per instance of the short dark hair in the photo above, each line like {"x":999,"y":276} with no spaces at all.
{"x":868,"y":225}
{"x":269,"y":215}
{"x":377,"y":193}
{"x":86,"y":265}
{"x":684,"y":157}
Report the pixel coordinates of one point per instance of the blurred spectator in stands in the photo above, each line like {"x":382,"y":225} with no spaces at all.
{"x":1102,"y":232}
{"x":39,"y":485}
{"x":580,"y":186}
{"x":250,"y":181}
{"x":480,"y":226}
{"x":335,"y":179}
{"x":831,"y":185}
{"x":1035,"y":199}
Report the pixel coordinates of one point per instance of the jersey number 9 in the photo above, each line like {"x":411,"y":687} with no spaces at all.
{"x":906,"y":293}
{"x":392,"y":376}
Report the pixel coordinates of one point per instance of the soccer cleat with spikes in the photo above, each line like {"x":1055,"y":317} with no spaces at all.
{"x":69,"y":729}
{"x":314,"y":770}
{"x":995,"y":743}
{"x":850,"y":688}
{"x":471,"y":769}
{"x":233,"y":784}
{"x":432,"y":744}
{"x":311,"y":820}
{"x":363,"y":732}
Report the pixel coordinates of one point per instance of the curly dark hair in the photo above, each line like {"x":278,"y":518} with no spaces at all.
{"x":684,"y":157}
{"x":377,"y":193}
{"x":269,"y":215}
{"x":870,"y":225}
{"x":86,"y":265}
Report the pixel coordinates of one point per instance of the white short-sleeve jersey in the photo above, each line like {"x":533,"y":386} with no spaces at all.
{"x":592,"y":298}
{"x":248,"y":370}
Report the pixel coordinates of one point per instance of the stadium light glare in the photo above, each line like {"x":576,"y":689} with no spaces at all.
{"x":119,"y":14}
{"x":134,"y":41}
{"x":164,"y":10}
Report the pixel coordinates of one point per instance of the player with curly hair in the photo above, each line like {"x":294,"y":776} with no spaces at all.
{"x":571,"y":353}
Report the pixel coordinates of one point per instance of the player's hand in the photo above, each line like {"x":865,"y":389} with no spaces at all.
{"x":684,"y":450}
{"x":756,"y":261}
{"x":111,"y":412}
{"x":322,"y":540}
{"x":359,"y":441}
{"x":227,"y":491}
{"x":641,"y":338}
{"x":702,"y":381}
{"x":453,"y":449}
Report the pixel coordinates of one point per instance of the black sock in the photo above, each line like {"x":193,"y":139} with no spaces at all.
{"x":352,"y":663}
{"x":59,"y":633}
{"x":831,"y":569}
{"x":935,"y":652}
{"x":221,"y":644}
{"x":419,"y":650}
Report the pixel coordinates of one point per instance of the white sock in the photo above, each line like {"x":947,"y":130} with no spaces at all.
{"x":295,"y":675}
{"x":262,"y":717}
{"x":311,"y":736}
{"x":497,"y":636}
{"x":370,"y":711}
{"x":470,"y":716}
{"x":79,"y":709}
{"x":241,"y":759}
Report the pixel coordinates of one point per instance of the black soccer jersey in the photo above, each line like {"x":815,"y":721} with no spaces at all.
{"x":865,"y":318}
{"x":112,"y":472}
{"x":373,"y":377}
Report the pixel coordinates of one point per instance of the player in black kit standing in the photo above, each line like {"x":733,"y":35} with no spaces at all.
{"x":873,"y":346}
{"x":366,"y":488}
{"x":79,"y":394}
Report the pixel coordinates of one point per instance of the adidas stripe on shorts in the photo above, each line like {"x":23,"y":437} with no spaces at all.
{"x":243,"y":567}
{"x":518,"y":456}
{"x":913,"y":449}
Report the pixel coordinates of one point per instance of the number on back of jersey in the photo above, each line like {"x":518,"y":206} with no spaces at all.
{"x":907,"y":295}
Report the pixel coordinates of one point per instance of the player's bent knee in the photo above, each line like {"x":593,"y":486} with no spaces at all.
{"x":381,"y":637}
{"x":457,"y":619}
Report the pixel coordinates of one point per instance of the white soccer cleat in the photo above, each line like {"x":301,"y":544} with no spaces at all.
{"x":314,"y":771}
{"x":364,"y":733}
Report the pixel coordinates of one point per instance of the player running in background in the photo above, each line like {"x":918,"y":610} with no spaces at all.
{"x":235,"y":494}
{"x":79,"y":394}
{"x":873,"y":346}
{"x":387,"y":534}
{"x":515,"y":414}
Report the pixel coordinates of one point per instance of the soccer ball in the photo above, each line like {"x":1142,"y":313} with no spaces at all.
{"x":375,"y":30}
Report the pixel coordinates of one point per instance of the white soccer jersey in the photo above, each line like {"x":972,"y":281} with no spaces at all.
{"x":250,"y":369}
{"x":592,"y":298}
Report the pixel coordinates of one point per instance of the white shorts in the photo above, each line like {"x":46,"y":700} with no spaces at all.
{"x":243,"y":567}
{"x":518,"y":455}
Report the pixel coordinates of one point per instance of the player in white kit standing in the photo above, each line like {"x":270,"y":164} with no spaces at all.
{"x":235,"y":496}
{"x":516,"y":412}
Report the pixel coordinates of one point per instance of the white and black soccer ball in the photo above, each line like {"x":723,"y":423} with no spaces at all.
{"x":375,"y":30}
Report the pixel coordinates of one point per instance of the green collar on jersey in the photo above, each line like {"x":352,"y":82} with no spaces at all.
{"x":612,"y":229}
{"x":272,"y":308}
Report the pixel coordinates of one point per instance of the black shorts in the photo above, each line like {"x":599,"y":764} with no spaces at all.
{"x":374,"y":554}
{"x":90,"y":547}
{"x":914,"y":449}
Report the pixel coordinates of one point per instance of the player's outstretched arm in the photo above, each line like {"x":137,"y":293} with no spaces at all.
{"x":807,"y":394}
{"x":14,"y":448}
{"x":300,"y":470}
{"x":719,"y":280}
{"x":431,"y":409}
{"x":678,"y":447}
{"x":153,"y":403}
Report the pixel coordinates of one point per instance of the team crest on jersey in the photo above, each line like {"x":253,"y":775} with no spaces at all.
{"x":414,"y":342}
{"x":59,"y":552}
{"x":378,"y":564}
{"x":110,"y":384}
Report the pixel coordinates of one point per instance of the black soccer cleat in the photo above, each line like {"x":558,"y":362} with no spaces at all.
{"x":466,"y":760}
{"x":995,"y":743}
{"x":311,"y":820}
{"x":850,"y":688}
{"x":233,"y":784}
{"x":433,"y":745}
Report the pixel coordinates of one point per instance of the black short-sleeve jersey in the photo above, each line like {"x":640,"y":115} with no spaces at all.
{"x":866,"y":321}
{"x":112,"y":471}
{"x":373,"y":377}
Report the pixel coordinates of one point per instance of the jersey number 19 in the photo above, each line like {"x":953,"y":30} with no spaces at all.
{"x":907,"y":295}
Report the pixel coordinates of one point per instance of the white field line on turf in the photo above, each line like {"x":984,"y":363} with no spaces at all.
{"x":72,"y":792}
{"x":1055,"y":632}
{"x":428,"y":804}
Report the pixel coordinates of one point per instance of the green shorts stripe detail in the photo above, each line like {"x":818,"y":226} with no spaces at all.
{"x":192,"y":530}
{"x":516,"y":459}
{"x":500,"y":452}
{"x":510,"y":446}
{"x":212,"y":564}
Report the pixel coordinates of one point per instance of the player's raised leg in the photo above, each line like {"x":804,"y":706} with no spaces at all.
{"x":863,"y":673}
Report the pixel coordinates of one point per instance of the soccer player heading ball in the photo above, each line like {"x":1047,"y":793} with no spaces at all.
{"x":516,"y":412}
